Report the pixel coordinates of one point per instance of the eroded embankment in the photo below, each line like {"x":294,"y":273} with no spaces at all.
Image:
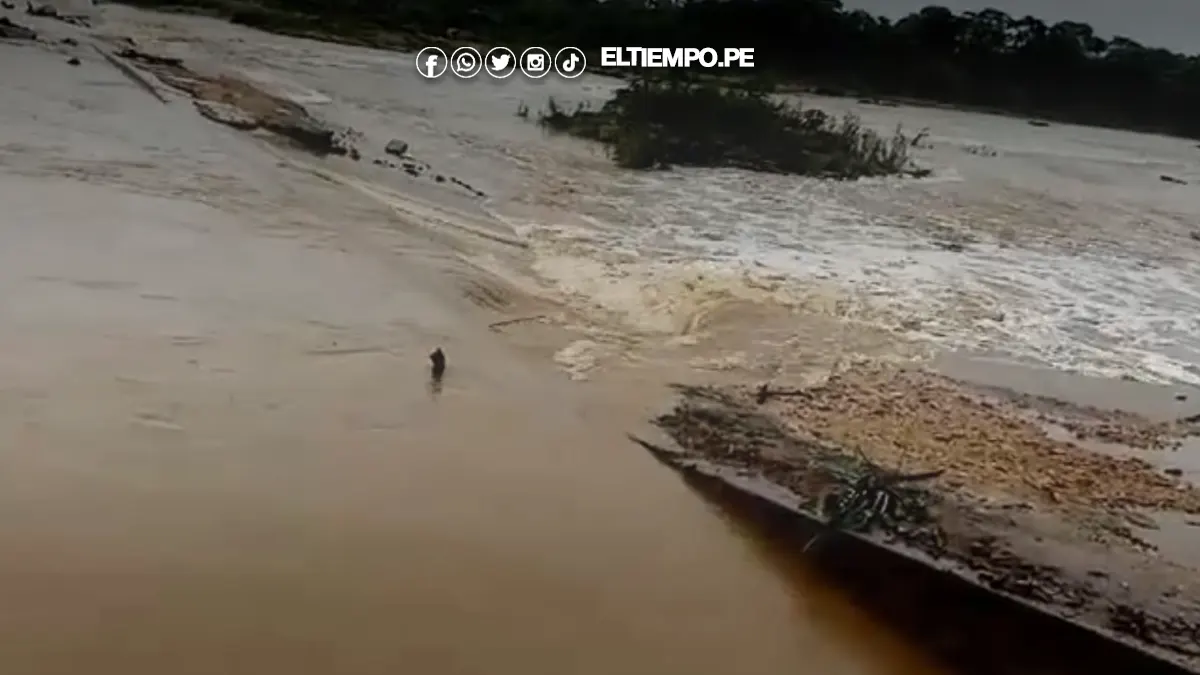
{"x":1009,"y":507}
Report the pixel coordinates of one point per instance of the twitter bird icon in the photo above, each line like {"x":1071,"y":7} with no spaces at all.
{"x":500,"y":62}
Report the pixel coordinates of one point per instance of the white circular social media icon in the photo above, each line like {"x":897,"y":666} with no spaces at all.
{"x":536,"y":62}
{"x":570,"y":62}
{"x":432,"y":63}
{"x":465,"y":62}
{"x":500,"y":62}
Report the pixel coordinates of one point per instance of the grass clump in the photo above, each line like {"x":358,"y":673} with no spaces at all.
{"x":661,"y":123}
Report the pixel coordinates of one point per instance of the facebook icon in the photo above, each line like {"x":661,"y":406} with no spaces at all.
{"x":432,"y":63}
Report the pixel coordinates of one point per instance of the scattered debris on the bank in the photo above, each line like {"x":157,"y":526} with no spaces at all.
{"x":966,"y":477}
{"x":416,"y":169}
{"x":1038,"y":123}
{"x":467,"y":186}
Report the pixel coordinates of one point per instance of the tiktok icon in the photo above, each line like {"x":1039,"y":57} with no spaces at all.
{"x":570,"y":62}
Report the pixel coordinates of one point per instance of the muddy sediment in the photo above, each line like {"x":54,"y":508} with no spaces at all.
{"x":1032,"y":516}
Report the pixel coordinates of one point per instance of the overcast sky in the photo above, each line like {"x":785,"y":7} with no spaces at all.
{"x":1174,"y":24}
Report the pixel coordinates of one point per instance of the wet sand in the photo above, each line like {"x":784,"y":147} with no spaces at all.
{"x":223,"y":453}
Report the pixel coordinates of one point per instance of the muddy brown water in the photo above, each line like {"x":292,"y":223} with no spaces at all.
{"x":221,"y":453}
{"x":251,"y":493}
{"x":342,"y":520}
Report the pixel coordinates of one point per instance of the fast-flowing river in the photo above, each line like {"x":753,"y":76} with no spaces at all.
{"x":223,"y":452}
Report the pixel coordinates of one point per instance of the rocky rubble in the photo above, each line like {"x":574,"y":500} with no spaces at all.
{"x":917,"y":421}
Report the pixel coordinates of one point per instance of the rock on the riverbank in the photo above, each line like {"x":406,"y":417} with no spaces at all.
{"x":396,"y":147}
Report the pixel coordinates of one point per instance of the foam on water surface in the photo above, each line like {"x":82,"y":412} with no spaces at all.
{"x":1079,"y":275}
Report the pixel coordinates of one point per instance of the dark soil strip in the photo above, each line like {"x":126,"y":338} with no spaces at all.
{"x":967,"y":627}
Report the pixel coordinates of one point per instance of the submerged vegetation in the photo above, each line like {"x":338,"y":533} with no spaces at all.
{"x":987,"y":59}
{"x":659,"y":123}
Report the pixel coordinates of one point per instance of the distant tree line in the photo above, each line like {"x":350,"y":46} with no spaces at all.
{"x":988,"y":59}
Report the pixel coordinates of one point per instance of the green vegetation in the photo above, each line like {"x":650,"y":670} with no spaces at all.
{"x":656,"y":123}
{"x":984,"y":59}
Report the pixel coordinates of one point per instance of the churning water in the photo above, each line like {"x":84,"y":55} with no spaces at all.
{"x":1059,"y":245}
{"x":1055,"y":244}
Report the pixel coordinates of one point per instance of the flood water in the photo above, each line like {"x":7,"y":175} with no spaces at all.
{"x":224,"y":454}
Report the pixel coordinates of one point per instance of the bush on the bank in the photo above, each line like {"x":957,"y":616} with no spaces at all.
{"x":651,"y":123}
